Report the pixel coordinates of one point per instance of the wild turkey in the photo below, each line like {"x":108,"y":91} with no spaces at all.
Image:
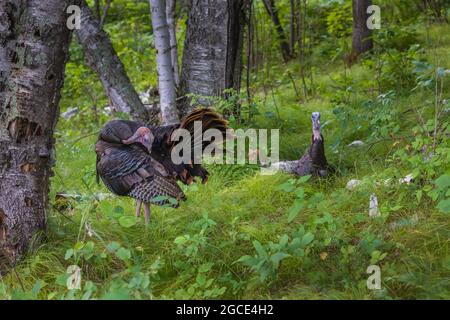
{"x":313,"y":161}
{"x":134,"y":159}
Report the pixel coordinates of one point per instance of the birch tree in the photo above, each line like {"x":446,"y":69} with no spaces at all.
{"x":34,"y":46}
{"x":166,"y":82}
{"x":212,"y":57}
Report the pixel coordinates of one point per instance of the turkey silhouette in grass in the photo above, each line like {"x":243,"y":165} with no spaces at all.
{"x":134,"y":159}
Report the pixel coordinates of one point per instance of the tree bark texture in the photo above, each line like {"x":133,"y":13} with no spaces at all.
{"x":170,"y":13}
{"x":166,"y":82}
{"x":362,"y":35}
{"x":34,"y":42}
{"x":271,"y":9}
{"x":103,"y":60}
{"x":212,"y":57}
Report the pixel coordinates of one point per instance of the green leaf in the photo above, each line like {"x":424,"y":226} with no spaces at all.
{"x":443,"y":182}
{"x":201,"y":279}
{"x":61,"y":279}
{"x":300,"y":193}
{"x":37,"y":287}
{"x":79,"y":245}
{"x":286,"y":187}
{"x":123,"y":254}
{"x":180,"y":240}
{"x":284,"y":240}
{"x":304,"y":179}
{"x":69,"y":254}
{"x":307,"y":238}
{"x":205,"y":267}
{"x":113,"y":246}
{"x":419,"y":194}
{"x":106,"y":207}
{"x":259,"y":248}
{"x":247,"y":260}
{"x":127,"y":221}
{"x":444,"y":206}
{"x":117,"y":294}
{"x":276,"y":258}
{"x":295,"y":210}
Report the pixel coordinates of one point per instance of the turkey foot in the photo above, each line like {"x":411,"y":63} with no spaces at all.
{"x":138,"y":208}
{"x":147,"y":213}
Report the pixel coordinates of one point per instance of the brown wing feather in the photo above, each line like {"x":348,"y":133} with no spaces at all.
{"x":156,"y":186}
{"x":128,"y":170}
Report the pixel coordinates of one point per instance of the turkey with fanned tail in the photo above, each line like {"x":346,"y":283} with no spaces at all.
{"x":134,"y":159}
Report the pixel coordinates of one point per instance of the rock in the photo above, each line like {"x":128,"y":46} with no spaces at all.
{"x":373,"y":206}
{"x":406,"y":179}
{"x":145,"y":97}
{"x":353,"y":184}
{"x":356,"y":143}
{"x":71,"y":112}
{"x":108,"y":110}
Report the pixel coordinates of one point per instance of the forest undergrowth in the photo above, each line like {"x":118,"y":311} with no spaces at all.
{"x":252,"y":236}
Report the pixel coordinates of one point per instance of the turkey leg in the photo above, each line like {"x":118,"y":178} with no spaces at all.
{"x":147,"y":213}
{"x":138,"y":208}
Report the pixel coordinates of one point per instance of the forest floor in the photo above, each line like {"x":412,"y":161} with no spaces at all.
{"x":298,"y":239}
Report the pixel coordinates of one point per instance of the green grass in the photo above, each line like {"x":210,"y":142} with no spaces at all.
{"x":204,"y":239}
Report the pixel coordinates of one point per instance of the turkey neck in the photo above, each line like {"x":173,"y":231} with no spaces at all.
{"x":317,"y":152}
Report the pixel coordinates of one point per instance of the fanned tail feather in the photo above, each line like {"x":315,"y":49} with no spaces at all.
{"x":210,"y":120}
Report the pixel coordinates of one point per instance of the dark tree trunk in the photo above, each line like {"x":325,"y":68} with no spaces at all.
{"x":34,"y":49}
{"x":171,"y":22}
{"x":362,"y":35}
{"x":293,"y":27}
{"x":273,"y":13}
{"x":212,"y":57}
{"x":102,"y":58}
{"x":436,"y":7}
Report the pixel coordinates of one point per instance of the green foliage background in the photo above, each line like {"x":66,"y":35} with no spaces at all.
{"x":245,"y":235}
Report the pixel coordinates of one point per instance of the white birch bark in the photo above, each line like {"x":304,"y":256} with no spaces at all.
{"x":169,"y":113}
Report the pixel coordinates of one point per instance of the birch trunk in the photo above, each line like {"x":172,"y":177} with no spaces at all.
{"x":34,"y":42}
{"x":103,"y":60}
{"x":212,"y":57}
{"x":169,"y":112}
{"x":362,"y":35}
{"x":170,"y":13}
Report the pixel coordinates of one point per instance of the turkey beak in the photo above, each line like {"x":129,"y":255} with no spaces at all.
{"x":316,"y":125}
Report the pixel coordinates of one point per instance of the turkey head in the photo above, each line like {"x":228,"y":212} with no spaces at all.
{"x":144,"y":136}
